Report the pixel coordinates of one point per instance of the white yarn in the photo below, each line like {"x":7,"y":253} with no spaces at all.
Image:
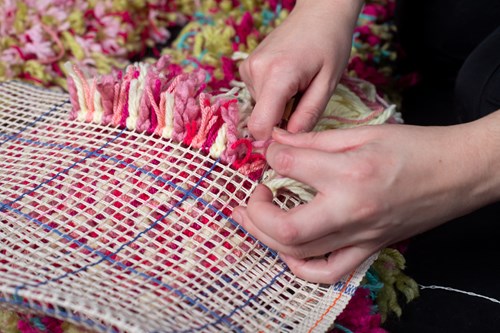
{"x":468,"y":293}
{"x":169,"y":115}
{"x":274,"y":182}
{"x":134,"y":96}
{"x":220,"y":142}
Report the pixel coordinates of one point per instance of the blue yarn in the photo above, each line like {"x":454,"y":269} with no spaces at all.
{"x":342,"y":328}
{"x":199,"y":16}
{"x":35,"y":321}
{"x":267,"y":17}
{"x":373,"y":283}
{"x":182,"y":39}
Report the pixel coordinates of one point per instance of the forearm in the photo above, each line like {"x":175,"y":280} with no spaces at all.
{"x":332,"y":10}
{"x":484,"y":159}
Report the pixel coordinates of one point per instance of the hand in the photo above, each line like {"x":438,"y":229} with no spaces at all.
{"x":307,"y":53}
{"x":376,"y":185}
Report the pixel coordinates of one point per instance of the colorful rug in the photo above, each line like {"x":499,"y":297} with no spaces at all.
{"x":97,"y":37}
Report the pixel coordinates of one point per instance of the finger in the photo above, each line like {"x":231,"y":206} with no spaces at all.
{"x":330,"y":269}
{"x":285,"y":230}
{"x":311,"y":105}
{"x":338,"y":140}
{"x":270,"y":104}
{"x":244,"y":70}
{"x":306,"y":165}
{"x":319,"y":246}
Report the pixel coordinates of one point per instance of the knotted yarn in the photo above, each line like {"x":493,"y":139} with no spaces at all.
{"x":147,"y":206}
{"x":243,"y":24}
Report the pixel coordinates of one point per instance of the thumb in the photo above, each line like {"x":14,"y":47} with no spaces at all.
{"x":330,"y":269}
{"x":270,"y":105}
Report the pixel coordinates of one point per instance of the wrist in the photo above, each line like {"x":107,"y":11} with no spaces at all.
{"x":337,"y":9}
{"x":487,"y":131}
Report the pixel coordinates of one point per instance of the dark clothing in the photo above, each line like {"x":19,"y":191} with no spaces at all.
{"x":455,"y":45}
{"x":450,"y":43}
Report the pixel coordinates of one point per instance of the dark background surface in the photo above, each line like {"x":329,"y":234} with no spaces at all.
{"x":455,"y":45}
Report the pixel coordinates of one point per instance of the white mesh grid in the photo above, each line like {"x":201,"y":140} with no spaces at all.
{"x":119,"y":231}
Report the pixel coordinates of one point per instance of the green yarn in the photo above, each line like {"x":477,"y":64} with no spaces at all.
{"x":389,"y":268}
{"x":77,"y":22}
{"x":21,"y":17}
{"x":8,"y":322}
{"x":37,"y":70}
{"x":72,"y":45}
{"x":71,"y":328}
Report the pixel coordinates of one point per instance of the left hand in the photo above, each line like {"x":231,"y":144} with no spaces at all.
{"x":376,"y":185}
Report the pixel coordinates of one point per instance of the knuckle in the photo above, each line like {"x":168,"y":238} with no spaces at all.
{"x":299,"y":252}
{"x":257,"y":127}
{"x":287,"y":235}
{"x":283,"y":161}
{"x":369,"y":210}
{"x":363,"y":171}
{"x":257,"y":64}
{"x":310,"y":115}
{"x":269,"y":66}
{"x":244,"y":70}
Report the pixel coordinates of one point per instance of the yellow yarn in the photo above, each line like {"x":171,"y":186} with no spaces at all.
{"x":124,"y":5}
{"x":37,"y":70}
{"x":105,"y":64}
{"x":249,"y":4}
{"x":61,"y":82}
{"x":226,"y":5}
{"x":72,"y":45}
{"x":252,"y":43}
{"x":21,"y":17}
{"x":186,"y":6}
{"x":3,"y":72}
{"x":8,"y":322}
{"x":48,"y":20}
{"x":215,"y":41}
{"x":6,"y":42}
{"x":207,"y":5}
{"x":77,"y":22}
{"x":70,"y":328}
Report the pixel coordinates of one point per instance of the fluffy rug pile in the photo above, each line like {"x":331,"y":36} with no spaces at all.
{"x":37,"y":39}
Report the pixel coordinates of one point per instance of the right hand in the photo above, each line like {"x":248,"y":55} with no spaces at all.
{"x":376,"y":185}
{"x":307,"y":53}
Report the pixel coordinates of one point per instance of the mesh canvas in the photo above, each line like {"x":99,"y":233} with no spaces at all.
{"x":120,"y":231}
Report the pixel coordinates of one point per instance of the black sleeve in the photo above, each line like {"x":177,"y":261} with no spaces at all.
{"x":455,"y":47}
{"x":477,"y":90}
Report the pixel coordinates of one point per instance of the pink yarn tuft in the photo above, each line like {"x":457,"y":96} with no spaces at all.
{"x":208,"y":118}
{"x":124,"y":106}
{"x":244,"y":28}
{"x":106,"y":87}
{"x":359,"y":314}
{"x":50,"y":324}
{"x":73,"y":94}
{"x":197,"y":116}
{"x":155,"y":100}
{"x":230,"y":116}
{"x":185,"y":107}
